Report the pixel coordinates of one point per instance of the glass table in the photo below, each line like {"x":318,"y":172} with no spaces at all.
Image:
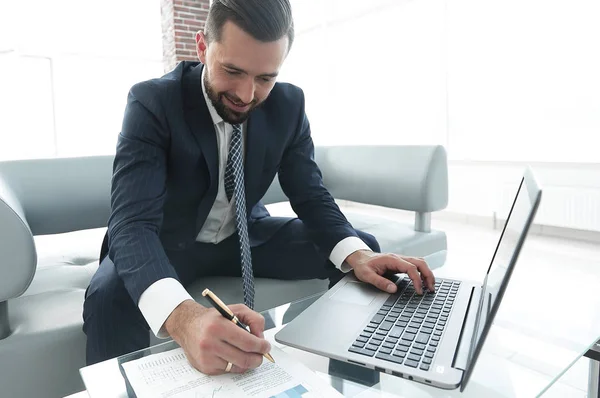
{"x":594,"y":371}
{"x":497,"y":374}
{"x":547,"y":321}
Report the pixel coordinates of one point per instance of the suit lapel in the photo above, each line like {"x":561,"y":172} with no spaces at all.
{"x":202,"y":129}
{"x":201,"y":126}
{"x":256,"y":145}
{"x":199,"y":121}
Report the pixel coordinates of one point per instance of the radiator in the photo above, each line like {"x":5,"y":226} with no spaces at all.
{"x":566,"y":207}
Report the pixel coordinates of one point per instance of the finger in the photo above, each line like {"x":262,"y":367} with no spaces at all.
{"x":378,"y":281}
{"x":235,"y":369}
{"x":243,"y":360}
{"x":415,"y":277}
{"x":424,"y":270}
{"x":241,"y":339}
{"x":253,"y":319}
{"x":428,"y":275}
{"x":221,"y":366}
{"x":411,"y":270}
{"x":396,"y":263}
{"x":213,"y":366}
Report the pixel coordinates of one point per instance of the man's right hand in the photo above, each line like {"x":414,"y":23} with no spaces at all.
{"x":210,"y":341}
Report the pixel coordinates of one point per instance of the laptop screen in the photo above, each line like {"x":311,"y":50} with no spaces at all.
{"x":516,"y":227}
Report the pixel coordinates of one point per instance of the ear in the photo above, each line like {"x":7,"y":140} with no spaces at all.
{"x":201,"y":46}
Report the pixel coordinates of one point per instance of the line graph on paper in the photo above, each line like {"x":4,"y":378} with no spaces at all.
{"x":217,"y":392}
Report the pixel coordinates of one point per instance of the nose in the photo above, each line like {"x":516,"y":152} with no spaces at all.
{"x":245,"y":90}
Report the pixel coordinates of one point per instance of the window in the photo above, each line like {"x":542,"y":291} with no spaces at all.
{"x":65,"y":83}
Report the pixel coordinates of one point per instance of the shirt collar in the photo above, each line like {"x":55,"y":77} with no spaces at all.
{"x":213,"y":112}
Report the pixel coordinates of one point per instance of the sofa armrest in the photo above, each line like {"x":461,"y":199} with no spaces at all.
{"x":46,"y":196}
{"x":17,"y":248}
{"x":407,"y":177}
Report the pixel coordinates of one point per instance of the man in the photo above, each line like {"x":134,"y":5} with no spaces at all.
{"x":197,"y":148}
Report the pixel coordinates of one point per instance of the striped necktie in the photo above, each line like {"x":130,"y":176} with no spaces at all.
{"x":234,"y":188}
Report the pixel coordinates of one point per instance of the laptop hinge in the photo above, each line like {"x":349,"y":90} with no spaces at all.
{"x":461,"y":355}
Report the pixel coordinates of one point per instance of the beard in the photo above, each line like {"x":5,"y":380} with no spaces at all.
{"x":227,"y":114}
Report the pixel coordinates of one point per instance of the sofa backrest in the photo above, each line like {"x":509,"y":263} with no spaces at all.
{"x":407,"y":177}
{"x":63,"y":194}
{"x":70,"y":194}
{"x":50,"y":196}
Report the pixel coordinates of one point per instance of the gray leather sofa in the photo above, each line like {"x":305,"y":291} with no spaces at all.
{"x":53,"y":214}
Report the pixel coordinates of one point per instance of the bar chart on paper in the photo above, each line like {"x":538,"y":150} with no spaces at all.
{"x":295,"y":392}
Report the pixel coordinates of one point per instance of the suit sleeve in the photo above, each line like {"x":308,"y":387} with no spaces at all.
{"x":302,"y":182}
{"x":137,"y":198}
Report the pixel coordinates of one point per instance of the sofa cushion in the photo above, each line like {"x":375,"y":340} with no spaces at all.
{"x":69,"y":260}
{"x":394,"y":233}
{"x":66,"y":261}
{"x":398,"y":237}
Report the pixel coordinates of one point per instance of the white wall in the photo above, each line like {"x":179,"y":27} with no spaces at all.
{"x":501,"y":84}
{"x":373,"y":72}
{"x":524,"y":80}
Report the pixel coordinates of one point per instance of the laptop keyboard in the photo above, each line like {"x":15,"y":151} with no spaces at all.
{"x":408,"y":327}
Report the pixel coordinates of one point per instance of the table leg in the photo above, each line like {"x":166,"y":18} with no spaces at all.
{"x":594,"y":379}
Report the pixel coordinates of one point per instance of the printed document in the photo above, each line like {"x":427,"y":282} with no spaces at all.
{"x":169,"y":374}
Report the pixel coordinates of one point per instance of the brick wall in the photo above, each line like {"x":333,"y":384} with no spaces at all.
{"x":181,"y":19}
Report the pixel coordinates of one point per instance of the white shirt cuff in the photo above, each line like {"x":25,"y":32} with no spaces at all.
{"x":159,"y":300}
{"x":343,"y":249}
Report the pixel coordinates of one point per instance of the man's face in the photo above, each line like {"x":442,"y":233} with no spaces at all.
{"x":240,"y":70}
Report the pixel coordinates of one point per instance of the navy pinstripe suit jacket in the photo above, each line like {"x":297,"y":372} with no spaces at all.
{"x":165,"y":174}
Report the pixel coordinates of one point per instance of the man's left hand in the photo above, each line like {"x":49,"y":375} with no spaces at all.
{"x":370,"y":267}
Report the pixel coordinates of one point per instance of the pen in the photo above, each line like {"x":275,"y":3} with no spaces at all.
{"x":227,"y":313}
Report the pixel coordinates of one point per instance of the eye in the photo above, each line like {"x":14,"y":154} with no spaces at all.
{"x":232,"y":72}
{"x":266,"y":79}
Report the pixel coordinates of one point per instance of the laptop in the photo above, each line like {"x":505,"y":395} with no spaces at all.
{"x":434,"y":338}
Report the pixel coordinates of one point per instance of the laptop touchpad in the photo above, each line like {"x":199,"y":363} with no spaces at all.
{"x":357,"y":293}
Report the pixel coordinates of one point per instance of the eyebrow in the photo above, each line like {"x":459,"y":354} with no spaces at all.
{"x":230,"y":66}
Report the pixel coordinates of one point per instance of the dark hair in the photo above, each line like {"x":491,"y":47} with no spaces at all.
{"x":265,"y":20}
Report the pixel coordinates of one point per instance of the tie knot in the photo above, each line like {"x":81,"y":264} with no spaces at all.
{"x":237,"y":128}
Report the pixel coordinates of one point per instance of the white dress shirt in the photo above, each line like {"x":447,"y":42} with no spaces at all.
{"x":163,"y":296}
{"x":220,"y":222}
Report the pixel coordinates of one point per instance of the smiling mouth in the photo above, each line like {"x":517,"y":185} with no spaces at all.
{"x":237,"y":104}
{"x":240,"y":105}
